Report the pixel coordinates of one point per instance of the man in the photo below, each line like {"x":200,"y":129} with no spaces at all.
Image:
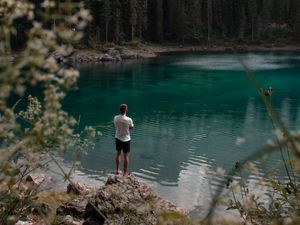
{"x":269,"y":92}
{"x":123,"y":124}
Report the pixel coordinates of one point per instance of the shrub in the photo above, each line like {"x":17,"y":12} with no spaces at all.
{"x":42,"y":129}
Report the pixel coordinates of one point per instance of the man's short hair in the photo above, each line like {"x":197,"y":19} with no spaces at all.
{"x":123,"y":108}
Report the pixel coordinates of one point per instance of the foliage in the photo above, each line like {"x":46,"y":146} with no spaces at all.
{"x":34,"y":134}
{"x":194,"y":21}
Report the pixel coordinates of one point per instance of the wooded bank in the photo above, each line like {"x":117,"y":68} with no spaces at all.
{"x":188,"y":22}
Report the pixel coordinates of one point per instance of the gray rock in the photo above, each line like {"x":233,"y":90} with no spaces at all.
{"x":20,"y":222}
{"x":36,"y":179}
{"x":74,"y":208}
{"x":78,"y":188}
{"x":128,"y":54}
{"x":125,"y":200}
{"x":113,"y":52}
{"x":69,"y":220}
{"x":107,"y":58}
{"x":118,"y":58}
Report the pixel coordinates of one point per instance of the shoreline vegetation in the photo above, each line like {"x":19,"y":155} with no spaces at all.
{"x":115,"y":53}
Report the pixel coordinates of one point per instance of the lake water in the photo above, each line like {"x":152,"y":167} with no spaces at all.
{"x":188,"y":110}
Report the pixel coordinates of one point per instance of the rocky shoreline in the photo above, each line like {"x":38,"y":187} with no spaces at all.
{"x":109,"y":55}
{"x":118,"y":55}
{"x":121,"y":53}
{"x":122,"y":200}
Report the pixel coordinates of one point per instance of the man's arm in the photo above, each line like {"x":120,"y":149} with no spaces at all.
{"x":131,"y":125}
{"x":115,"y":122}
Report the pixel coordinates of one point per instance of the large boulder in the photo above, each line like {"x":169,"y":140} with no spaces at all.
{"x":125,"y":200}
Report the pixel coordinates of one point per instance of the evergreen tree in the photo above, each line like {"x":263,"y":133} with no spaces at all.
{"x":266,"y":12}
{"x":278,"y":11}
{"x":116,"y":15}
{"x":252,"y":7}
{"x":193,"y":20}
{"x":242,"y":19}
{"x":133,"y":16}
{"x":159,"y":20}
{"x":106,"y":7}
{"x":209,"y":19}
{"x":297,"y":22}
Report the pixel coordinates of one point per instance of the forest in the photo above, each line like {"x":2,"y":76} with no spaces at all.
{"x":194,"y":21}
{"x":197,"y":22}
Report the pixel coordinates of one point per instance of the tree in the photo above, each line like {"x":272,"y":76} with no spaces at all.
{"x":209,"y":19}
{"x":133,"y":16}
{"x":297,"y":22}
{"x":242,"y":19}
{"x":193,"y":21}
{"x":278,"y":11}
{"x":106,"y":7}
{"x":252,"y":7}
{"x":159,"y":20}
{"x":116,"y":20}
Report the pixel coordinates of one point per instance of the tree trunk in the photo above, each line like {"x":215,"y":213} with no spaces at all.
{"x":132,"y":32}
{"x":209,"y":17}
{"x":106,"y":31}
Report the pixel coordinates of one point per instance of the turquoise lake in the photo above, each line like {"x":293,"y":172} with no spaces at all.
{"x":188,"y":110}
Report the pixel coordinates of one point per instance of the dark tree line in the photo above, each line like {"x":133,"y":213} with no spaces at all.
{"x":188,"y":21}
{"x":194,"y":21}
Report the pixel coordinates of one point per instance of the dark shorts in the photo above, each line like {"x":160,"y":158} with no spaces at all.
{"x":122,"y":145}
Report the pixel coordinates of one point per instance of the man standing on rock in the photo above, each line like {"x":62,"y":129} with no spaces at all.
{"x":123,"y":124}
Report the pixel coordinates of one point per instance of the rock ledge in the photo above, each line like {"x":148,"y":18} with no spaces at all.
{"x":122,"y":200}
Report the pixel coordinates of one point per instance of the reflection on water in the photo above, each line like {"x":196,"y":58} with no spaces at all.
{"x":188,"y":110}
{"x":228,"y":62}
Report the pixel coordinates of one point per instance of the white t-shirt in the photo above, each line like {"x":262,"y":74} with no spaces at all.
{"x":122,"y":125}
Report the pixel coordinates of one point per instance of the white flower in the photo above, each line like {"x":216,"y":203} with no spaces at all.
{"x":84,"y":14}
{"x":48,"y":4}
{"x":51,"y":64}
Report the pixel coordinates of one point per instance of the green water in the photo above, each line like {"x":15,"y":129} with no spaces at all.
{"x":188,"y":110}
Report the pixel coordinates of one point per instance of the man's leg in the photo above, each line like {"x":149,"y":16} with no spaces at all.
{"x":126,"y":162}
{"x":118,"y":159}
